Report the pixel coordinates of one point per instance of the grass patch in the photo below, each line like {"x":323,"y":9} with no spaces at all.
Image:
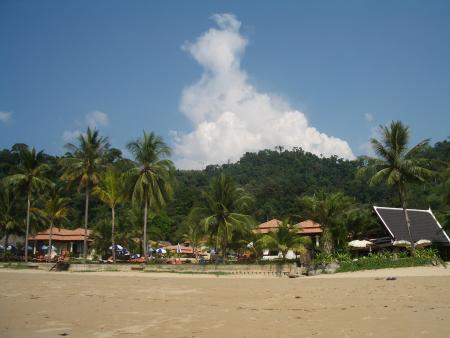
{"x":383,"y":263}
{"x":215,"y":273}
{"x":17,"y":266}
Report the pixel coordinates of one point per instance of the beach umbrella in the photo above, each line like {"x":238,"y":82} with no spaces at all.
{"x":45,"y":248}
{"x":178,"y":248}
{"x":421,"y":243}
{"x":402,"y":243}
{"x":11,"y":248}
{"x":117,"y":247}
{"x":161,"y":251}
{"x":360,"y":244}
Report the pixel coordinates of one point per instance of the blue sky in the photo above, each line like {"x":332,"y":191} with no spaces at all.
{"x":329,"y":72}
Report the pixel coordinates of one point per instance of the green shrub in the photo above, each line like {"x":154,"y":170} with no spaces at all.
{"x":386,"y":259}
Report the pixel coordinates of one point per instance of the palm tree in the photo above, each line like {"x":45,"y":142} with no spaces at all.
{"x":84,"y":165}
{"x":30,"y":179}
{"x":284,"y":239}
{"x":325,"y":209}
{"x":194,"y":235}
{"x":152,"y":177}
{"x":220,"y":212}
{"x":398,"y":166}
{"x":8,"y":211}
{"x":111,"y":191}
{"x":55,"y":211}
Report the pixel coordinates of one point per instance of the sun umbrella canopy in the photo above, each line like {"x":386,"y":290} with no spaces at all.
{"x":117,"y":247}
{"x":161,"y":251}
{"x":421,"y":243}
{"x":45,"y":248}
{"x":11,"y":247}
{"x":402,"y":243}
{"x":360,"y":244}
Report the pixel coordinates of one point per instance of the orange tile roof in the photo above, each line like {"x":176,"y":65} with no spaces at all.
{"x":307,"y":227}
{"x":59,"y":234}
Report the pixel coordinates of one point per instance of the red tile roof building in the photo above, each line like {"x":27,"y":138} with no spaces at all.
{"x":307,"y":227}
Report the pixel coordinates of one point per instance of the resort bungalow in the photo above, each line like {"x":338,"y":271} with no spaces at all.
{"x":305,"y":228}
{"x":62,"y":239}
{"x":424,"y":228}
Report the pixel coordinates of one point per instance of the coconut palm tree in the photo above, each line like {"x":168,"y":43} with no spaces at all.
{"x":327,"y":210}
{"x":31,"y":179}
{"x":8,"y":213}
{"x":152,"y":177}
{"x":221,"y":211}
{"x":111,"y":191}
{"x":55,"y":211}
{"x":83,"y":164}
{"x":284,"y":239}
{"x":194,"y":235}
{"x":396,"y":165}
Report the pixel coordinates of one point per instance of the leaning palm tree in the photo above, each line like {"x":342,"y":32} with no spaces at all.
{"x":111,"y":191}
{"x":398,"y":166}
{"x":30,"y":179}
{"x":84,"y":164}
{"x":327,"y":210}
{"x":152,"y":177}
{"x":55,"y":211}
{"x":284,"y":239}
{"x":221,"y":212}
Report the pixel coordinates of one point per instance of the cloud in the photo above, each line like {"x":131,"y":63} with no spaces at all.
{"x":94,"y":119}
{"x":366,"y":147}
{"x":368,"y":117}
{"x":97,"y":119}
{"x":70,"y":135}
{"x":5,"y":116}
{"x":230,"y":115}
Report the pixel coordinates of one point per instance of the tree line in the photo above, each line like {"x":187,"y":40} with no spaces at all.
{"x":123,"y":200}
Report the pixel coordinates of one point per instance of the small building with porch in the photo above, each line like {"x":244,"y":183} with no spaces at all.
{"x":305,"y":228}
{"x":62,"y":239}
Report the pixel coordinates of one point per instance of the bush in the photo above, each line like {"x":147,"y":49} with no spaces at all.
{"x":386,"y":259}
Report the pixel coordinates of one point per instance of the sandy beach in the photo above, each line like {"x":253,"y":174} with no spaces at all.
{"x":136,"y":304}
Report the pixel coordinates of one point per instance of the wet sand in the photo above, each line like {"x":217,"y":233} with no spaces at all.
{"x":43,"y":304}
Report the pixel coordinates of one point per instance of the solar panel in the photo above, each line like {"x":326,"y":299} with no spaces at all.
{"x":423,"y":225}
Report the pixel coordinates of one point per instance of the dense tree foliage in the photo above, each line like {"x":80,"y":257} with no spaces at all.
{"x":274,"y":178}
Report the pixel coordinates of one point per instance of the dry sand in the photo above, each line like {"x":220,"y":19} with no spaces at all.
{"x":42,"y":304}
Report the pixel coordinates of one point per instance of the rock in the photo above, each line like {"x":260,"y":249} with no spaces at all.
{"x":331,"y":268}
{"x":314,"y":272}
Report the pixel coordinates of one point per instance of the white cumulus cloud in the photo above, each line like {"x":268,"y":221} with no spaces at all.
{"x":97,"y":119}
{"x":93,"y":120}
{"x":368,"y":117}
{"x":5,"y":116}
{"x":230,"y":115}
{"x":70,"y":135}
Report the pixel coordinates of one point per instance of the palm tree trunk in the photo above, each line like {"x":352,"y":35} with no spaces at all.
{"x":112,"y":236}
{"x":6,"y":245}
{"x":50,"y":242}
{"x":144,"y":244}
{"x":86,"y":213}
{"x":28,"y":226}
{"x":408,"y":222}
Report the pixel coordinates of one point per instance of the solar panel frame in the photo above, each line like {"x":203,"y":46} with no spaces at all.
{"x":424,"y":225}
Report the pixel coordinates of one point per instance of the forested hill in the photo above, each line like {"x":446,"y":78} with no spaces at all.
{"x":276,"y":178}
